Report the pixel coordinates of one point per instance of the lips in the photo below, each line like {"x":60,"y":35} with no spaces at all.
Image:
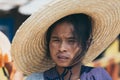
{"x":62,"y":57}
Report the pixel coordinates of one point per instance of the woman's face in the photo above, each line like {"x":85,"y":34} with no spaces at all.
{"x":63,"y":44}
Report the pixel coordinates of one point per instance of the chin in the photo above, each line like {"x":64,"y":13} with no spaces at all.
{"x":63,"y":65}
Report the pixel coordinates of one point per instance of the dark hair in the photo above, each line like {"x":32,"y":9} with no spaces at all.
{"x":82,"y":28}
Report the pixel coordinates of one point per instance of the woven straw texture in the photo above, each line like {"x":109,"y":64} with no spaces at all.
{"x":29,"y":46}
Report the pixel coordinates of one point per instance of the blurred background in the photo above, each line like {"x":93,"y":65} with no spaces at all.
{"x":14,"y":12}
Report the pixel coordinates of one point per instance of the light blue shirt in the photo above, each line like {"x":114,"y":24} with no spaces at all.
{"x":35,"y":76}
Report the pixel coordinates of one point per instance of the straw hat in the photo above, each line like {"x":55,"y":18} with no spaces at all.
{"x":111,"y":55}
{"x":29,"y":45}
{"x":5,"y":47}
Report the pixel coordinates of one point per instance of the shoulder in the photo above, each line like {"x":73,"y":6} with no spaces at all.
{"x":95,"y":73}
{"x":35,"y":76}
{"x":99,"y":70}
{"x":93,"y":70}
{"x":101,"y":73}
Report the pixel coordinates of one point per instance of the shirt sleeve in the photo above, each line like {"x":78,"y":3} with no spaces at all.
{"x":96,"y":74}
{"x":100,"y":74}
{"x":35,"y":76}
{"x":105,"y":74}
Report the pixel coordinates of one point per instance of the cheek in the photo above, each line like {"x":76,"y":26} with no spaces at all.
{"x":74,"y":50}
{"x":53,"y":48}
{"x":77,"y":50}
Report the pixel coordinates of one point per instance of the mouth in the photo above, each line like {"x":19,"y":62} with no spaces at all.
{"x":62,"y":57}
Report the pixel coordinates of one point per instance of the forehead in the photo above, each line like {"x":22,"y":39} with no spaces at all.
{"x":63,"y":28}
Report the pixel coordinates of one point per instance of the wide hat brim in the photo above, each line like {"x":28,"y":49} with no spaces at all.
{"x":29,"y":46}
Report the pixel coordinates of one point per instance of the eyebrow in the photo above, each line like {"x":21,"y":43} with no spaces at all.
{"x":55,"y":37}
{"x":71,"y":38}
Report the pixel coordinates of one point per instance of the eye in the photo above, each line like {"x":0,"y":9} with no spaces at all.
{"x":55,"y":40}
{"x":71,"y":41}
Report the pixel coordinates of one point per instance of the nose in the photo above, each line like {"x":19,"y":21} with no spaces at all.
{"x":63,"y":47}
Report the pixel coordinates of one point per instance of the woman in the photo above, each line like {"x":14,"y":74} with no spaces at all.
{"x":58,"y":40}
{"x":68,"y":40}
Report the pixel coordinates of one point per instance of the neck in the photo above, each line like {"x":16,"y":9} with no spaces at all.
{"x":75,"y":71}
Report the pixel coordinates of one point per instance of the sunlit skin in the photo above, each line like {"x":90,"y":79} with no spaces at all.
{"x":64,"y":46}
